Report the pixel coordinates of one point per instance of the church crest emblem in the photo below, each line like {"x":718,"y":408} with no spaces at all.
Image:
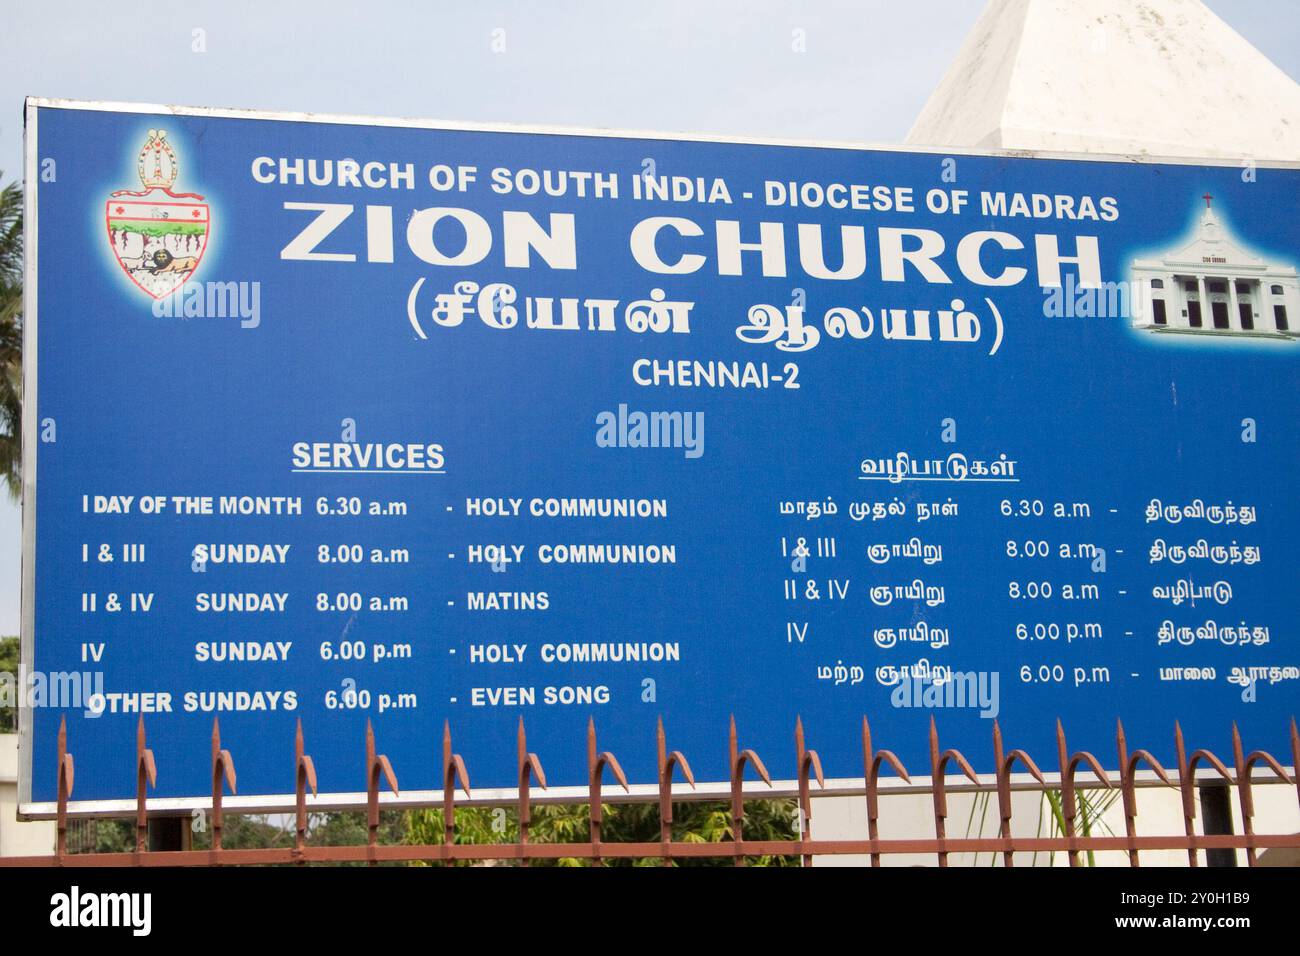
{"x":157,"y":236}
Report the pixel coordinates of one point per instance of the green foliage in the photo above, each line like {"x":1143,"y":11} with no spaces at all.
{"x":243,"y":832}
{"x":11,"y":337}
{"x":980,"y":810}
{"x":9,"y":665}
{"x":551,"y":823}
{"x":622,"y":823}
{"x":1091,"y":805}
{"x":102,"y":836}
{"x":246,"y":832}
{"x":262,"y":831}
{"x":349,"y":828}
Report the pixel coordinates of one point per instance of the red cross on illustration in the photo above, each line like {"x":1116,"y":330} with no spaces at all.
{"x":1207,"y":197}
{"x":120,"y":210}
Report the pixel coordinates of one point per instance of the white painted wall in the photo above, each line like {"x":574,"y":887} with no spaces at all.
{"x":1160,"y":813}
{"x":18,"y":839}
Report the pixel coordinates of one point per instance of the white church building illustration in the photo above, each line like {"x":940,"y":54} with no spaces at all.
{"x":1215,"y":286}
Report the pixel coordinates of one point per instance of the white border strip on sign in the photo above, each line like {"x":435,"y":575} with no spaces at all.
{"x":281,"y":802}
{"x":27,"y":630}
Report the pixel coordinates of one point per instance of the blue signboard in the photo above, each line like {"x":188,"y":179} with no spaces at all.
{"x":342,"y":420}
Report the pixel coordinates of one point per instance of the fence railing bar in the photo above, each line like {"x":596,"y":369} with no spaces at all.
{"x":453,"y":771}
{"x":668,"y":761}
{"x":738,"y":761}
{"x":938,"y":763}
{"x":529,"y":766}
{"x":1005,"y":761}
{"x":1187,"y":782}
{"x":808,"y":762}
{"x":377,"y":765}
{"x":146,"y":775}
{"x":1069,"y":802}
{"x":1245,"y":772}
{"x":64,"y":793}
{"x":597,"y":761}
{"x":504,"y":851}
{"x":223,"y":772}
{"x":304,"y":772}
{"x":1128,"y":764}
{"x":379,"y":771}
{"x":872,"y":764}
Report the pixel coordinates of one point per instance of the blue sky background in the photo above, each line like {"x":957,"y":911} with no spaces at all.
{"x":673,"y":65}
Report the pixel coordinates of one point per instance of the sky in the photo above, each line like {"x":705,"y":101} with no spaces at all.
{"x":864,"y":70}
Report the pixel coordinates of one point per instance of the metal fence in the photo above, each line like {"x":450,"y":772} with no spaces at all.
{"x":1248,"y":769}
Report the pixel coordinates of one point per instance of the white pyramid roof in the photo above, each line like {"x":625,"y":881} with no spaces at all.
{"x":1155,"y":77}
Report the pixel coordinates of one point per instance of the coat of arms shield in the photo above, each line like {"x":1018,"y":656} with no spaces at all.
{"x":157,"y":236}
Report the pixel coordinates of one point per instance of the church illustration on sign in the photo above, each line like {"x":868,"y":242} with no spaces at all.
{"x":1214,"y":286}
